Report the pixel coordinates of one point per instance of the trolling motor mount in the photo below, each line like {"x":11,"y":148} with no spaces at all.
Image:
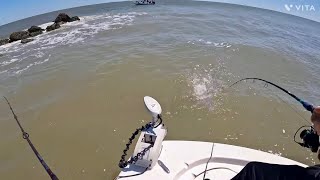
{"x":149,"y":144}
{"x":152,"y":136}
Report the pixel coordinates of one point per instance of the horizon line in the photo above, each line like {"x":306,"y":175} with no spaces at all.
{"x":209,"y":1}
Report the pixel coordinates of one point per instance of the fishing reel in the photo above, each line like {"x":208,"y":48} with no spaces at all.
{"x":309,"y":137}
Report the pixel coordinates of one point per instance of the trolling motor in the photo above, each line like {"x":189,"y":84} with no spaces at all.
{"x":149,"y":144}
{"x":308,"y":135}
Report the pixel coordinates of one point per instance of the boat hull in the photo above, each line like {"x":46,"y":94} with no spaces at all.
{"x":187,"y":160}
{"x":141,"y":2}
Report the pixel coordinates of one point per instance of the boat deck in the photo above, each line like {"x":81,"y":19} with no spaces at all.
{"x":187,"y":160}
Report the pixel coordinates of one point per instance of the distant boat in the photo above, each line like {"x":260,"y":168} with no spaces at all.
{"x":144,"y":2}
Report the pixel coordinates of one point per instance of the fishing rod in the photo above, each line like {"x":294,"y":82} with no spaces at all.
{"x":309,"y":136}
{"x":306,"y":105}
{"x":25,"y":136}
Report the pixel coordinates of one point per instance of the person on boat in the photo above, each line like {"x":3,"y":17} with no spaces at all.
{"x":265,"y":171}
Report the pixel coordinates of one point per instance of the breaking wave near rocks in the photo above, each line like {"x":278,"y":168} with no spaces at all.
{"x":17,"y":58}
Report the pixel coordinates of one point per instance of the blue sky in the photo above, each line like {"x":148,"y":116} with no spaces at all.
{"x":12,"y":10}
{"x":309,"y":9}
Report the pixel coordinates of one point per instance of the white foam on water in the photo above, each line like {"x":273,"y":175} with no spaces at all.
{"x":137,"y":13}
{"x":10,"y":47}
{"x":201,"y":87}
{"x":222,"y":45}
{"x":39,"y":54}
{"x":205,"y":42}
{"x":207,"y":84}
{"x":208,"y":81}
{"x":41,"y":62}
{"x":23,"y":69}
{"x":1,"y":72}
{"x":60,"y":39}
{"x":4,"y":63}
{"x":70,"y":33}
{"x":13,"y":60}
{"x":88,"y":26}
{"x":30,"y":65}
{"x":44,"y":26}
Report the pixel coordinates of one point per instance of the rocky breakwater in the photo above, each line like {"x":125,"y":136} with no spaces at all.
{"x":26,"y":36}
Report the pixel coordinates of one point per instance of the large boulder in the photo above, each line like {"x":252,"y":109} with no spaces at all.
{"x":24,"y":41}
{"x":53,"y":27}
{"x":61,"y":22}
{"x":74,"y":18}
{"x":15,"y":36}
{"x":35,"y":29}
{"x":4,"y":41}
{"x":36,"y":33}
{"x":62,"y":17}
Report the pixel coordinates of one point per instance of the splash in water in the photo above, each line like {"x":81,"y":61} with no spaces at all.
{"x":207,"y":83}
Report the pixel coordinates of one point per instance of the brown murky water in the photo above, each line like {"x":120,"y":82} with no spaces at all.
{"x":81,"y":135}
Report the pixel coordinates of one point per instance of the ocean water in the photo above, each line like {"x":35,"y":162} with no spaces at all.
{"x":79,"y":90}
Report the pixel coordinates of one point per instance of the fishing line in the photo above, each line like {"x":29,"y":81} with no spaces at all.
{"x":286,"y":103}
{"x":292,"y":108}
{"x":309,"y":136}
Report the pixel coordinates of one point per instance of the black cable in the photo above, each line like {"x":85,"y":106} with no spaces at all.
{"x":218,"y":168}
{"x":123,"y":163}
{"x":159,"y":118}
{"x":205,"y":171}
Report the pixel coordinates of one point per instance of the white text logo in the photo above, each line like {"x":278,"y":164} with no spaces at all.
{"x":291,"y":7}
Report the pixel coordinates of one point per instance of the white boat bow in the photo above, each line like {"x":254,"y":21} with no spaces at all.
{"x":187,"y":160}
{"x":156,"y":159}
